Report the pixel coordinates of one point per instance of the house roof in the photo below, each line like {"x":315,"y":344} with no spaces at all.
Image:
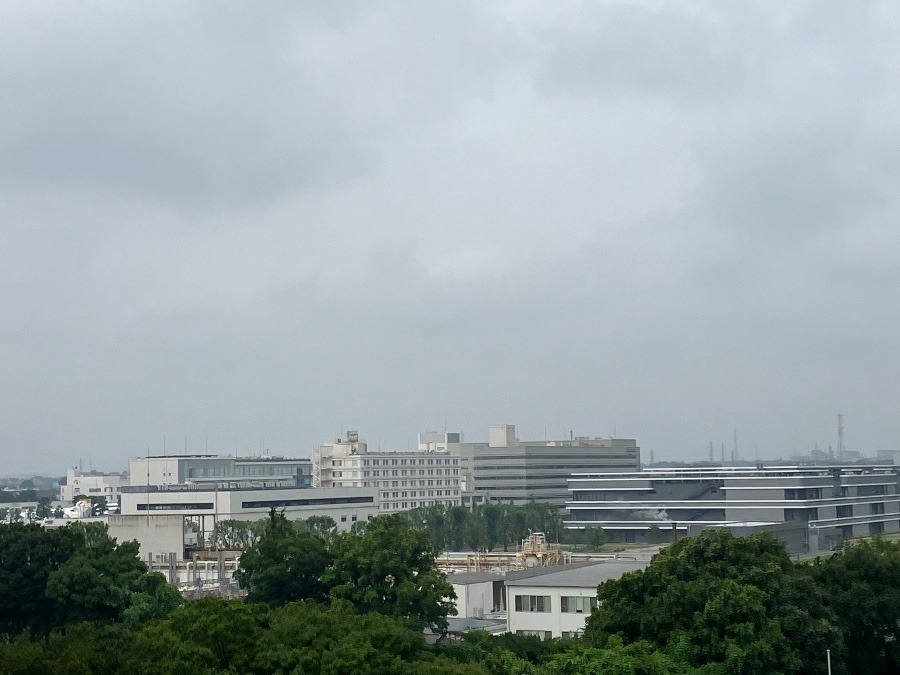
{"x":579,"y":575}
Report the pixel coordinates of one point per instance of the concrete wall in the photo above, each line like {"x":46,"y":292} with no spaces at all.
{"x":474,"y":599}
{"x":554,"y":621}
{"x":157,"y":534}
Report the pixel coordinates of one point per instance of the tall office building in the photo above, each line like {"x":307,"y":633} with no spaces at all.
{"x":508,"y":470}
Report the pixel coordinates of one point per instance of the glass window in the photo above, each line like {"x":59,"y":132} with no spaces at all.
{"x":532,"y":603}
{"x":573,"y":604}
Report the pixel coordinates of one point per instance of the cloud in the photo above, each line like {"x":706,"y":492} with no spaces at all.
{"x":245,"y":227}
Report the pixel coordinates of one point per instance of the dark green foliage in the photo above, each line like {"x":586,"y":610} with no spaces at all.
{"x":710,"y":605}
{"x":487,"y":526}
{"x":639,"y":658}
{"x":322,"y":526}
{"x":862,"y":584}
{"x":307,"y":637}
{"x":97,"y":582}
{"x":153,"y":598}
{"x":720,"y":599}
{"x":229,"y":630}
{"x":286,"y":564}
{"x":237,"y":534}
{"x":28,"y":556}
{"x":52,"y":578}
{"x":43,"y":509}
{"x":388,"y":567}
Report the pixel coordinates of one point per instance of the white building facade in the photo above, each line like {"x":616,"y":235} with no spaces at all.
{"x":402,"y":480}
{"x":92,"y":484}
{"x":554,"y":602}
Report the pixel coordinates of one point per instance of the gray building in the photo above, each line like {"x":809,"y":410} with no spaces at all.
{"x":198,"y":508}
{"x":508,"y":470}
{"x":829,"y":503}
{"x":195,"y":469}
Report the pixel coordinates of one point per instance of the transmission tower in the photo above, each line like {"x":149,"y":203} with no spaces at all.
{"x":840,"y":447}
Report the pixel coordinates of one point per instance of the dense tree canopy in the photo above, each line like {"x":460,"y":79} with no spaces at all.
{"x":862,"y":584}
{"x":387,"y":567}
{"x":733,"y":603}
{"x":50,"y":578}
{"x":74,"y":601}
{"x":29,"y":554}
{"x":488,"y":526}
{"x":286,"y":564}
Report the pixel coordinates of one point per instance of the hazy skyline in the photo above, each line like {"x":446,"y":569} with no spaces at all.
{"x":242,"y":224}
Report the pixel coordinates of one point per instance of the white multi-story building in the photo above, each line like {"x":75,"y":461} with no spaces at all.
{"x":92,"y":484}
{"x":554,"y":602}
{"x":403,"y":480}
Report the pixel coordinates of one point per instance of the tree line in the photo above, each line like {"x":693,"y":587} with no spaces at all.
{"x":490,"y":526}
{"x":73,"y":600}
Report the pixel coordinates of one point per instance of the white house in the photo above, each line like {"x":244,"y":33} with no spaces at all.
{"x":553,"y":602}
{"x":478,"y":593}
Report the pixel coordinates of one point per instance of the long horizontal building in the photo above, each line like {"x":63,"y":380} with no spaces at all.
{"x":832,"y":503}
{"x":508,"y":470}
{"x":194,"y":510}
{"x":195,"y":469}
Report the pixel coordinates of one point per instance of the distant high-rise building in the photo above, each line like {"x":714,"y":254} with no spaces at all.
{"x":404,"y":480}
{"x":508,"y":470}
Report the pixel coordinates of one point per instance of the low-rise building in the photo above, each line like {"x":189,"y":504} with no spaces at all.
{"x":831,"y":503}
{"x":92,"y":484}
{"x":197,"y":469}
{"x":478,"y":594}
{"x":201,"y":507}
{"x":554,"y":602}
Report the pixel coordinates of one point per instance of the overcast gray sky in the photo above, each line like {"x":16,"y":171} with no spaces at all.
{"x":251,"y":226}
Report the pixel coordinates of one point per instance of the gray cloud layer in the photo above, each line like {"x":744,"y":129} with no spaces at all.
{"x":250,"y":228}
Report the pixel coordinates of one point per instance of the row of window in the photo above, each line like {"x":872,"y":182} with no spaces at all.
{"x":411,"y":483}
{"x":533,"y":603}
{"x":397,"y":506}
{"x":568,"y":604}
{"x":419,"y":493}
{"x":412,"y":472}
{"x":399,"y":462}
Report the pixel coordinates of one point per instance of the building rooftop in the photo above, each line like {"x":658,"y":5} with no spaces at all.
{"x":465,"y":578}
{"x":577,"y":575}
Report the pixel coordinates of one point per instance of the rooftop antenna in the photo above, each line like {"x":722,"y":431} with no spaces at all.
{"x":734,"y":449}
{"x":723,"y":453}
